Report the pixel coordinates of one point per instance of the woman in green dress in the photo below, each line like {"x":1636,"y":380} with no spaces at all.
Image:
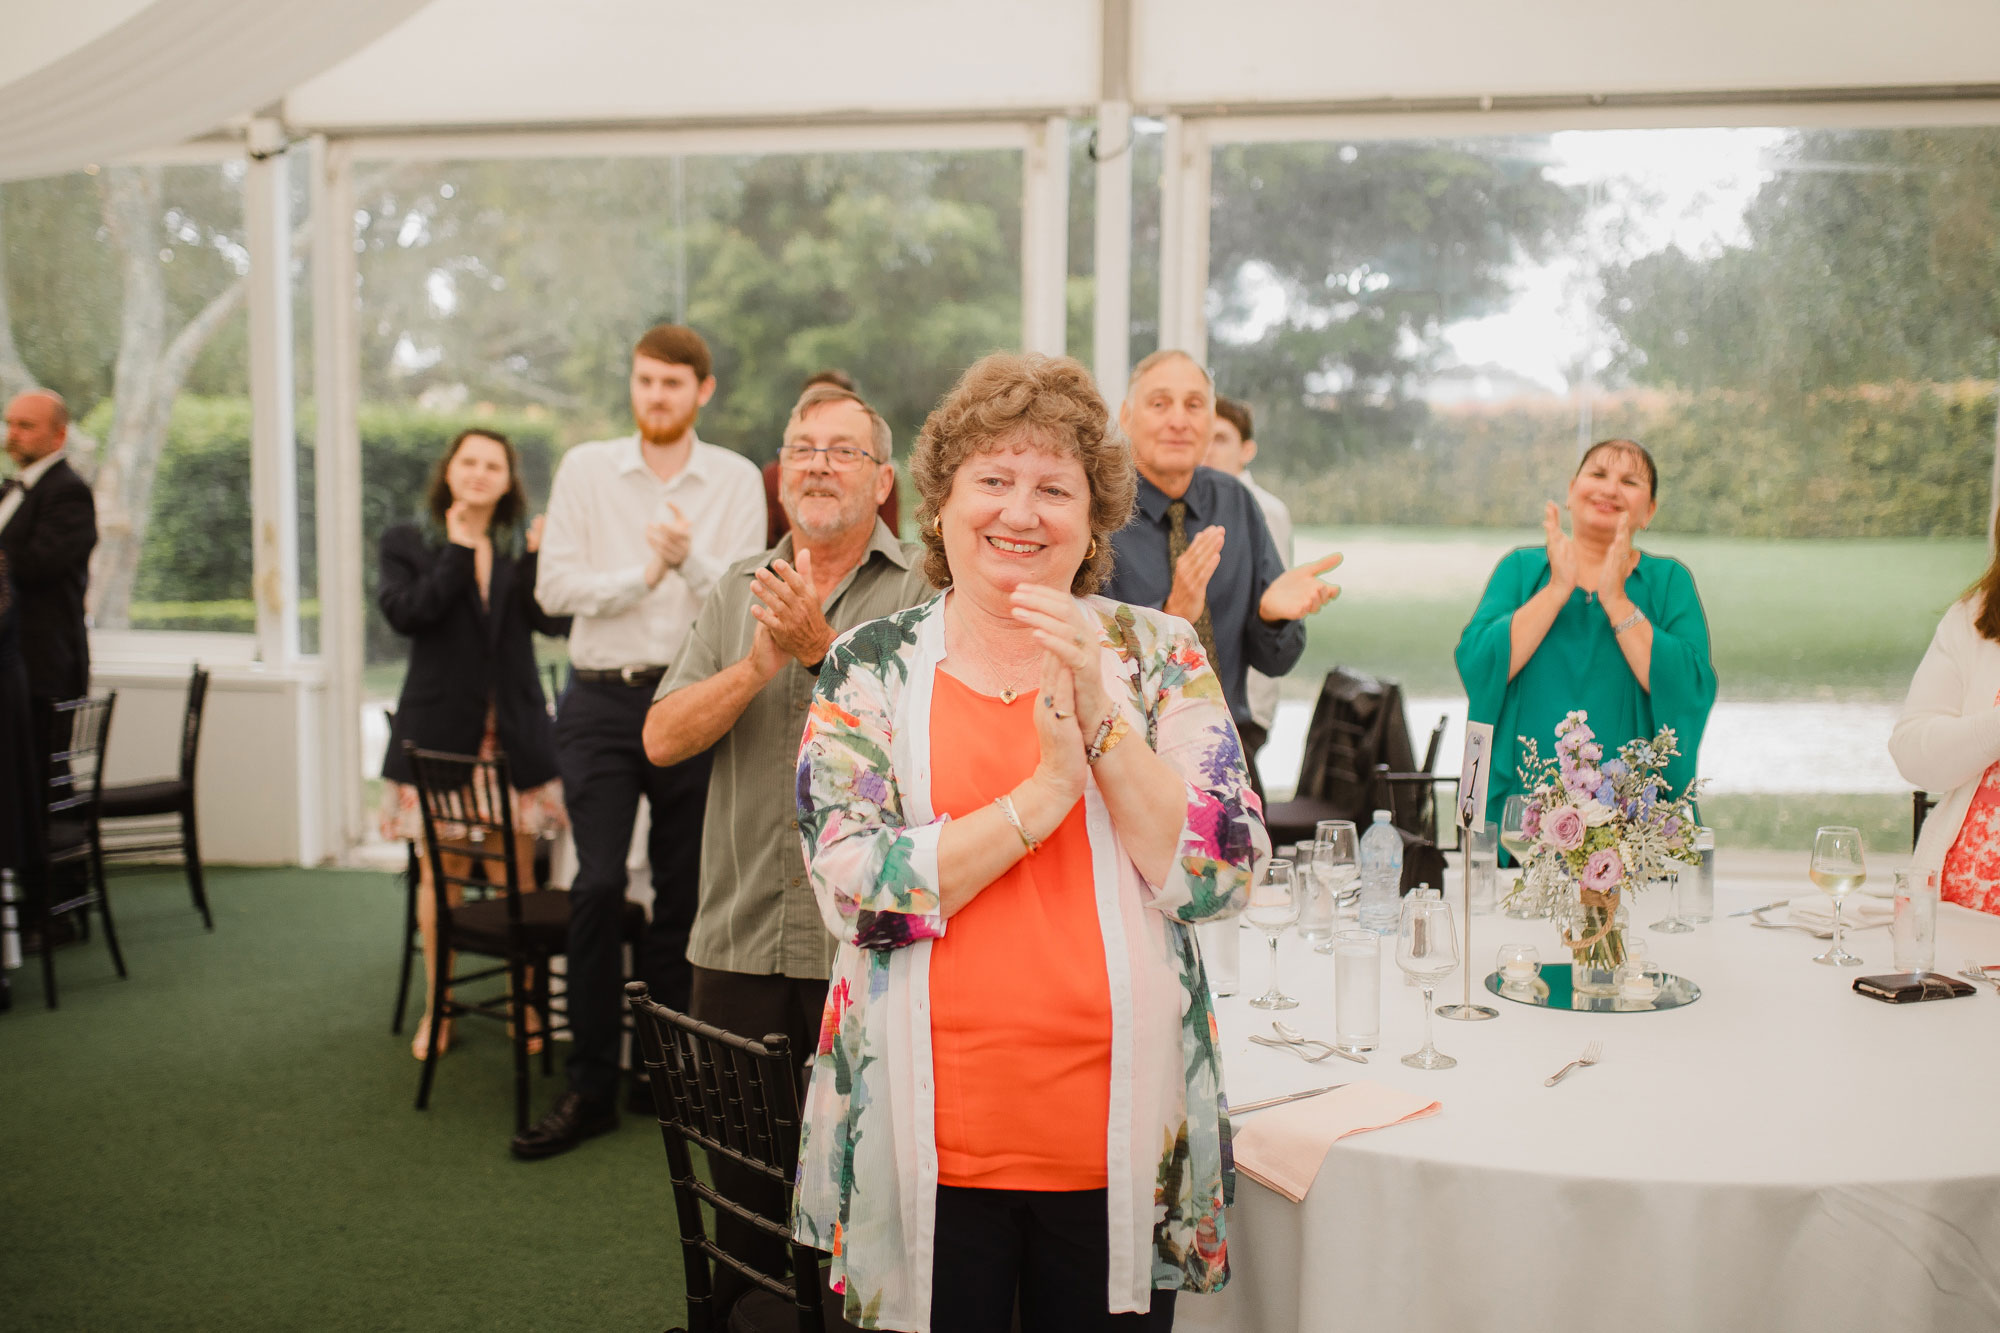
{"x":1586,"y":622}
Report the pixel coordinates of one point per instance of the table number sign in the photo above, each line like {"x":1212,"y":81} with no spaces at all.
{"x":1473,"y":776}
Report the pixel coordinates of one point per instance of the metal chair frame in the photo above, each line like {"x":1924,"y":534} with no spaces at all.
{"x":140,"y":832}
{"x":473,"y":795}
{"x":85,"y":725}
{"x":738,"y":1100}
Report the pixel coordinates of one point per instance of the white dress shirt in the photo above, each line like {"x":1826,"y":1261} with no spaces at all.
{"x":594,"y":551}
{"x":1260,"y":690}
{"x":27,"y":476}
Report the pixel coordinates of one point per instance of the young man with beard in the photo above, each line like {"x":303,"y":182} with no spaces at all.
{"x":639,"y":530}
{"x":742,"y":685}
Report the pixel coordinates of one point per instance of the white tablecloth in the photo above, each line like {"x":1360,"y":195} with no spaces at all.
{"x":1782,"y":1154}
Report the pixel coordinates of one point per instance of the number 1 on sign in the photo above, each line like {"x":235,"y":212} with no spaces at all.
{"x":1473,"y":775}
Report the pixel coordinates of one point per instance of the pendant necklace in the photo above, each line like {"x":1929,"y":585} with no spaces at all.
{"x":1007,"y":695}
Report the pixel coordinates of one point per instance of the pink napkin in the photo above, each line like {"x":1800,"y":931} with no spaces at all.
{"x":1282,"y":1147}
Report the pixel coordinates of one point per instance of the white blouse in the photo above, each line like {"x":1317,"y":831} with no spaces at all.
{"x":1948,"y":733}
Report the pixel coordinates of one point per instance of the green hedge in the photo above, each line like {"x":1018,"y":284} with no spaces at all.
{"x":1903,"y":460}
{"x":195,"y":570}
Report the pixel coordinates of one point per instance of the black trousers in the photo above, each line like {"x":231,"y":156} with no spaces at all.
{"x":1049,"y":1249}
{"x":604,"y":773}
{"x":755,"y":1007}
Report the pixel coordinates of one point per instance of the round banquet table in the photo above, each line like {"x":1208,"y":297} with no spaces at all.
{"x":1781,"y":1154}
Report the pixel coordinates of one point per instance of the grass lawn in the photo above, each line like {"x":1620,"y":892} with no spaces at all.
{"x":1787,"y":618}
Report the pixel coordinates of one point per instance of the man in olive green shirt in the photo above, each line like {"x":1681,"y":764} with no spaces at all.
{"x":742,"y":684}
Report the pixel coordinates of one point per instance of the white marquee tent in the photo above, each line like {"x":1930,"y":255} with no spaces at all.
{"x":94,"y":81}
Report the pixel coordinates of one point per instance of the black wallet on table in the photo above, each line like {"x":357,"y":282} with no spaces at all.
{"x":1912,"y":987}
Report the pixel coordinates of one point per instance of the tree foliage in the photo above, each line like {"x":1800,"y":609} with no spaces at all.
{"x":1373,"y":248}
{"x":1871,"y":257}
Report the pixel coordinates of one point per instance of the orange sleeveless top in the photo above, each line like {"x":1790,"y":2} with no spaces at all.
{"x":1020,"y":1000}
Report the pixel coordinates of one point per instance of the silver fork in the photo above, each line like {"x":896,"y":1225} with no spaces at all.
{"x":1974,"y":972}
{"x":1590,"y":1056}
{"x":1298,"y":1038}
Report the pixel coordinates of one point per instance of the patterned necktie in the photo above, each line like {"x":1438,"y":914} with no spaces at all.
{"x":1177,"y":544}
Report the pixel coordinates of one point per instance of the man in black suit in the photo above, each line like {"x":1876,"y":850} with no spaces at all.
{"x":48,"y":525}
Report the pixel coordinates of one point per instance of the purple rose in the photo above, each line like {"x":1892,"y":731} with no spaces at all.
{"x":1563,"y":828}
{"x":1603,"y":870}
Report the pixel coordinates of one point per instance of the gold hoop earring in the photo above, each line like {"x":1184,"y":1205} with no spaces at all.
{"x":1091,"y":554}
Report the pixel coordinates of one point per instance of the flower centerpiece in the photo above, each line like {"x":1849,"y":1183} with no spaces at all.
{"x":1599,"y":828}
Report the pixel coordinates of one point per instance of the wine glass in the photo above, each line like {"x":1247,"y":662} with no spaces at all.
{"x":1513,"y":819}
{"x":1335,"y":868}
{"x":1274,"y":906}
{"x":1427,"y":951}
{"x":1673,"y":923}
{"x":1838,"y":868}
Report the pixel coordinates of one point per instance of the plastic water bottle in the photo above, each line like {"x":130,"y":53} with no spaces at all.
{"x":1381,"y":876}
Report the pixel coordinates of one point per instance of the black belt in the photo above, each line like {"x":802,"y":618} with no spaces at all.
{"x":633,"y":676}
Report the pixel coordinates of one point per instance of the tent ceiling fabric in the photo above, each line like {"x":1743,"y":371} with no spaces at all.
{"x":520,"y":62}
{"x":92,"y":80}
{"x":1190,"y":52}
{"x":156,"y":75}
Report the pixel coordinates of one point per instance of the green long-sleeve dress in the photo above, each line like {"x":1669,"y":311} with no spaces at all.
{"x":1578,"y":665}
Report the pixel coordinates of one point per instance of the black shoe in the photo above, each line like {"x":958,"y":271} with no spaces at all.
{"x":573,"y":1119}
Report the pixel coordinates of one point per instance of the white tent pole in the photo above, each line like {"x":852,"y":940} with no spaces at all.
{"x":1112,"y":331}
{"x":273,"y":446}
{"x":1184,"y":205}
{"x":1045,"y":239}
{"x":337,"y":485}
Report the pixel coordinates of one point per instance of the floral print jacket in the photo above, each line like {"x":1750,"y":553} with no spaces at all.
{"x":867,"y":1182}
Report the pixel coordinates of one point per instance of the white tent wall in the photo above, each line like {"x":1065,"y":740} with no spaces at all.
{"x":102,"y":79}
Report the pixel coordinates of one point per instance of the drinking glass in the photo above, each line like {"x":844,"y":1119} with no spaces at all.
{"x":1427,"y":951}
{"x":1274,"y":906}
{"x":1838,"y":869}
{"x":1482,"y":868}
{"x":1357,"y":990}
{"x":1674,"y":923}
{"x":1913,"y":931}
{"x":1221,"y":944}
{"x":1316,"y":908}
{"x":1336,"y":870}
{"x":1512,"y":817}
{"x":1699,"y":904}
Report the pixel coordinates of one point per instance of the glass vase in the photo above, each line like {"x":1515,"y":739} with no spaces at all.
{"x":1597,"y":946}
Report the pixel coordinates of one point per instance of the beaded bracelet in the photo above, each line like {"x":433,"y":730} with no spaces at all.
{"x":1628,"y":622}
{"x":1006,"y":804}
{"x":1109,"y":732}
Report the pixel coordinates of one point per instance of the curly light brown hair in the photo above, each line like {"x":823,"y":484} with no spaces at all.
{"x":1047,"y":401}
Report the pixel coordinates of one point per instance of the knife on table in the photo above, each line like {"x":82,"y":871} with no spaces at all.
{"x":1280,"y":1101}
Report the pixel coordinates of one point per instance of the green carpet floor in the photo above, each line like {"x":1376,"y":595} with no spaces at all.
{"x":227,"y":1140}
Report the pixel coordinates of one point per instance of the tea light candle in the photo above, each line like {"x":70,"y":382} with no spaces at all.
{"x":1520,"y":969}
{"x":1636,"y":985}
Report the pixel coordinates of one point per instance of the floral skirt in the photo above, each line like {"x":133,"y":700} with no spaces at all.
{"x":538,"y":811}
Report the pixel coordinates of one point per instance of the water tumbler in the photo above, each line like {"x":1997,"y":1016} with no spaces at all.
{"x":1357,"y":990}
{"x":1698,"y":886}
{"x":1913,"y":930}
{"x":1221,"y":948}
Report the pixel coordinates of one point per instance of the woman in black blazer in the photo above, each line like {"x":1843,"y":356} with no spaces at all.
{"x":468,"y":607}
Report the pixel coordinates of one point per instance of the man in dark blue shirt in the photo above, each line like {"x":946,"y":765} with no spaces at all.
{"x":1197,"y":546}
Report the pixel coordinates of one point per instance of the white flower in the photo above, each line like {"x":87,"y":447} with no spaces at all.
{"x":1596,"y":813}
